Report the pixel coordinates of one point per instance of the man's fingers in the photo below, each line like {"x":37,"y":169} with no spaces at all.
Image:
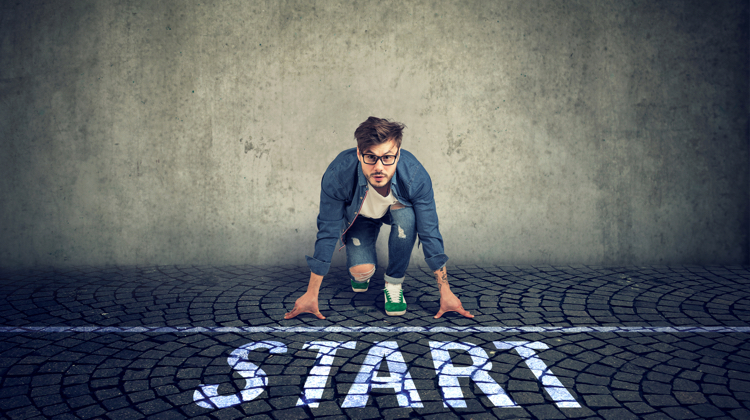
{"x":465,"y":313}
{"x":291,"y":314}
{"x":296,"y":311}
{"x":460,"y":310}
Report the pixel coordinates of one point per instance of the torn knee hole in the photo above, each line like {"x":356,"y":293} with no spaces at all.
{"x":361,"y":274}
{"x":397,"y":206}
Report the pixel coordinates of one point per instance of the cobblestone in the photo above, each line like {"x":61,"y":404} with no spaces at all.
{"x":677,"y":344}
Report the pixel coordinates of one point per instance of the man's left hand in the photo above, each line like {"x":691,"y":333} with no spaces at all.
{"x":450,"y":303}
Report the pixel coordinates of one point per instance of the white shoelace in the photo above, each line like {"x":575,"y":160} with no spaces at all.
{"x":394,"y":291}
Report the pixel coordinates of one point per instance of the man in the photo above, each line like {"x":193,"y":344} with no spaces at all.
{"x":377,"y":182}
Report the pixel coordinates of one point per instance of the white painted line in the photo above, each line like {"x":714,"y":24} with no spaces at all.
{"x":365,"y":329}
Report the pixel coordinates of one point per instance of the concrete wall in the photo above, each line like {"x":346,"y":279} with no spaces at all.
{"x":598,"y":132}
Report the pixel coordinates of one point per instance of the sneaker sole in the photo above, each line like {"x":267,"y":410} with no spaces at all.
{"x":397,"y":313}
{"x":360,"y":287}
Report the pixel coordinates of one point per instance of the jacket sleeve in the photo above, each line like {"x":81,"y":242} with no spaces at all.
{"x":423,"y":201}
{"x":333,"y":199}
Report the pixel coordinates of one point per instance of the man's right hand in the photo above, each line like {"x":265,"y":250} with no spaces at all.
{"x":306,"y":303}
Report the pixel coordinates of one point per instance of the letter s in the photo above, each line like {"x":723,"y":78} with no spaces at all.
{"x":207,"y":396}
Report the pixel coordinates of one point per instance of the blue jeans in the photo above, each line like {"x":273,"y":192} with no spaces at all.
{"x":362,"y":235}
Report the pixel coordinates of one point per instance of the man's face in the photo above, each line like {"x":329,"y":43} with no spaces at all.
{"x":379,"y":175}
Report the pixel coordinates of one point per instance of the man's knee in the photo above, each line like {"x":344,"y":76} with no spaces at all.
{"x":362,"y":272}
{"x":397,"y":206}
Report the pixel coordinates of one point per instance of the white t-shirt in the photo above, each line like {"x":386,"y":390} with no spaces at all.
{"x":375,"y":205}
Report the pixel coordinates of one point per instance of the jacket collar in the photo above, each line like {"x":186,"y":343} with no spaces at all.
{"x":361,"y":180}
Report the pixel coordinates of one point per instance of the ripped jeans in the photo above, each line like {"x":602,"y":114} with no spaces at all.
{"x":362,"y":235}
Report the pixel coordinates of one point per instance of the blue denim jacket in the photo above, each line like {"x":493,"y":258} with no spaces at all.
{"x":343,"y":190}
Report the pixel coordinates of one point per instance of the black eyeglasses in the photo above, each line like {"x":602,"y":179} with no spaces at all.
{"x":387,"y":160}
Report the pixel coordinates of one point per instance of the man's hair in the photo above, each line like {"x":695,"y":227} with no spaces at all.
{"x":376,"y":131}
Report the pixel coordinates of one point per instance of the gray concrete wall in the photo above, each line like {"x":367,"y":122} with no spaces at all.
{"x":181,"y":132}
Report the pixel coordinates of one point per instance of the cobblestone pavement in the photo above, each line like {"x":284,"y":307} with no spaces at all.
{"x":210,"y":342}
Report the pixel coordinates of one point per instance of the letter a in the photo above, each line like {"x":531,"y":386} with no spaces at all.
{"x":399,"y":379}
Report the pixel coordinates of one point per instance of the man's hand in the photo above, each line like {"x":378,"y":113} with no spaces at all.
{"x":450,"y":303}
{"x":306,"y":303}
{"x":309,"y":301}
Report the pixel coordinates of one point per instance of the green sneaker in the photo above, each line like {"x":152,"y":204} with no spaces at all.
{"x":360,"y":287}
{"x":394,"y":300}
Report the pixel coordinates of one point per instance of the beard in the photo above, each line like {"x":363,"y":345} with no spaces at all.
{"x":384,"y":182}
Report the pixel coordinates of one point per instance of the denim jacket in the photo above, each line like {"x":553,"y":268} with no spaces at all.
{"x":343,"y":190}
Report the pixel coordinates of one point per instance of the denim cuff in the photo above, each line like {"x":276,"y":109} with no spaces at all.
{"x":318,"y":267}
{"x":436,"y":262}
{"x":393,"y":280}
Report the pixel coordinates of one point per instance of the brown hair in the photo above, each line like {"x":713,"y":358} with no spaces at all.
{"x":376,"y":131}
